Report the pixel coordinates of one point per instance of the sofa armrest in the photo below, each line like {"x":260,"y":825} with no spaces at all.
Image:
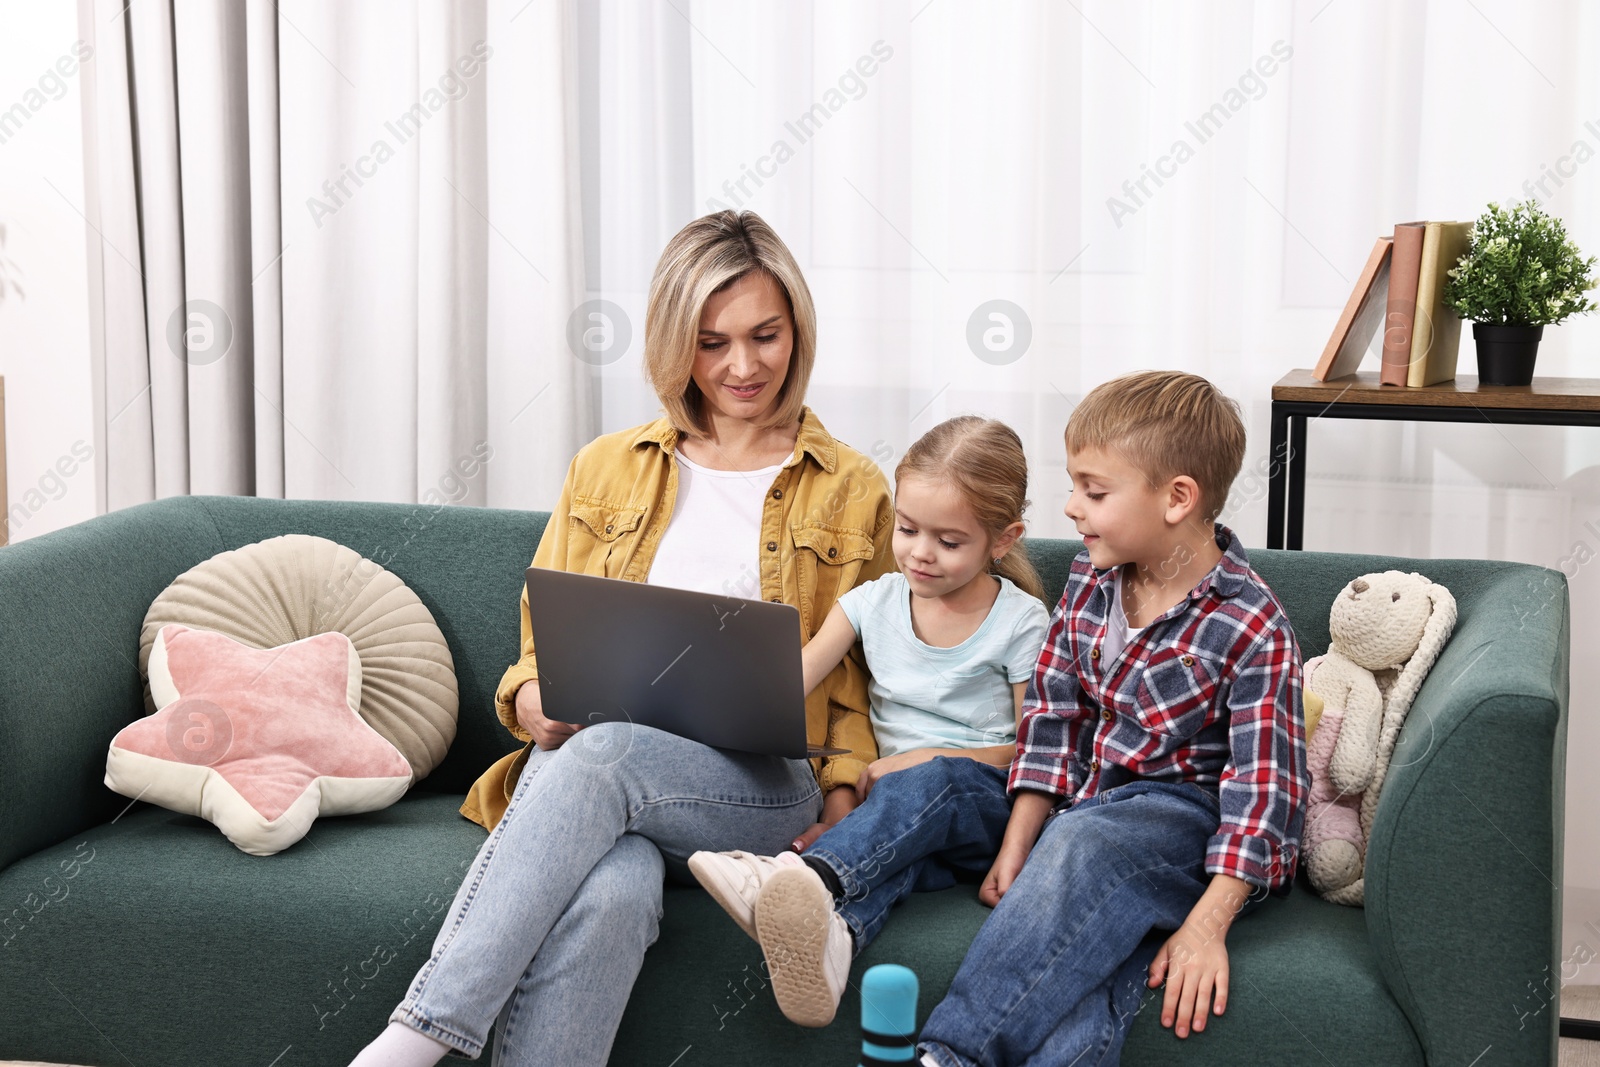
{"x":1463,"y":869}
{"x":74,"y":601}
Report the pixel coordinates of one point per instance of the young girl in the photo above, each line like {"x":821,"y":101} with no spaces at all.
{"x":950,"y":642}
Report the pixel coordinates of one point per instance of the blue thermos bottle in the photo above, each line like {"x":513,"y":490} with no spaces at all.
{"x":888,"y":1016}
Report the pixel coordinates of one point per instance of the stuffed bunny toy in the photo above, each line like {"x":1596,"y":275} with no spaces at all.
{"x":1387,"y":630}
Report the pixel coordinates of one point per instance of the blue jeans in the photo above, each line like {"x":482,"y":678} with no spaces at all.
{"x":549,"y":929}
{"x":1056,"y":974}
{"x":918,"y":830}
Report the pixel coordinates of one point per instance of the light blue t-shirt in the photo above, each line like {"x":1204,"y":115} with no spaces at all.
{"x":960,"y":697}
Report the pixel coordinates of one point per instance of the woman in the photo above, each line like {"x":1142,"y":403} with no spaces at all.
{"x":737,"y":490}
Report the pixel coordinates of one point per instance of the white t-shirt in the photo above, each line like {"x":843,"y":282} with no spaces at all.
{"x":712,"y":541}
{"x":1118,"y":633}
{"x":959,"y":697}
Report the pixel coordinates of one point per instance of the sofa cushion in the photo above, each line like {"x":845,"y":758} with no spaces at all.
{"x":1305,"y":989}
{"x":282,"y":589}
{"x":155,"y":916}
{"x":146,"y":938}
{"x":465,"y":564}
{"x":258,"y":741}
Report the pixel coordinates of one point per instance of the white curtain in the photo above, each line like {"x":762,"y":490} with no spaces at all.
{"x":1156,"y":184}
{"x":406,"y":220}
{"x":181,"y":348}
{"x":336,"y":248}
{"x":400,"y":251}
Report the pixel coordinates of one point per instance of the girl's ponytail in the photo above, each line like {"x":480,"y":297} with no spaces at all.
{"x":1016,"y":566}
{"x":983,"y":458}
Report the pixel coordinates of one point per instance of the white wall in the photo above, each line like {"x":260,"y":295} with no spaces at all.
{"x":44,"y":330}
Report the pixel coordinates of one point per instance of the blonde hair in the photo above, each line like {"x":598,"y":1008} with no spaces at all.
{"x":708,"y":255}
{"x":1166,"y":423}
{"x":983,"y":459}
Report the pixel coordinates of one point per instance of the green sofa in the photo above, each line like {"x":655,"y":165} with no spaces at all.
{"x":133,"y":935}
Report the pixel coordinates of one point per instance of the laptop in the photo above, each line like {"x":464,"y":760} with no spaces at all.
{"x":716,"y":669}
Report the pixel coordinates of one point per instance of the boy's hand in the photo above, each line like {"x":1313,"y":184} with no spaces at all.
{"x":1029,"y":809}
{"x":1007,"y":865}
{"x":1194,"y":960}
{"x":1194,"y":965}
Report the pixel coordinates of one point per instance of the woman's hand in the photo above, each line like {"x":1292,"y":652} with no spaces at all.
{"x":546,"y":733}
{"x":840,"y":801}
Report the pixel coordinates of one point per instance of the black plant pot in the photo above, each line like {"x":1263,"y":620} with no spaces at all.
{"x":1506,"y":353}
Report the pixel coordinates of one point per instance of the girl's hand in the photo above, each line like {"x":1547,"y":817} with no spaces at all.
{"x":888,"y":765}
{"x":546,"y":733}
{"x":823,"y":653}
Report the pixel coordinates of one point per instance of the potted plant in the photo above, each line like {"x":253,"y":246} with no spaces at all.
{"x":1520,"y":274}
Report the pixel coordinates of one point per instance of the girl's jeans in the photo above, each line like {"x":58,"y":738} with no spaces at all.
{"x":1058,"y":971}
{"x":918,"y":829}
{"x":549,"y":929}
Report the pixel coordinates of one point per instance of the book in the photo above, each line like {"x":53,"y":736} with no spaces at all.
{"x":1404,"y":267}
{"x":1436,"y":334}
{"x":1358,"y":323}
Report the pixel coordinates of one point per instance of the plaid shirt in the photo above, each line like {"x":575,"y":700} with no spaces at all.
{"x":1208,"y":693}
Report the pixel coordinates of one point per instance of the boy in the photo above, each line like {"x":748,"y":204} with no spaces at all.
{"x":1160,"y":778}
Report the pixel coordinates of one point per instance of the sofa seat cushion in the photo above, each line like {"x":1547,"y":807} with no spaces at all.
{"x":1305,"y":989}
{"x":160,"y":928}
{"x":160,"y":931}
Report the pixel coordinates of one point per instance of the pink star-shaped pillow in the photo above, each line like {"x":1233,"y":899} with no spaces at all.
{"x":258,"y":741}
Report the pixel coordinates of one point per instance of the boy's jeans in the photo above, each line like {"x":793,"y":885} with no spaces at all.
{"x":1058,"y":971}
{"x":917,"y":829}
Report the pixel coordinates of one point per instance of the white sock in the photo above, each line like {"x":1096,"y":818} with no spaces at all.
{"x":401,"y":1046}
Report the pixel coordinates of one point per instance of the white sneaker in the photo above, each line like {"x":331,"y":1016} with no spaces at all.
{"x":806,"y":943}
{"x":734,"y":880}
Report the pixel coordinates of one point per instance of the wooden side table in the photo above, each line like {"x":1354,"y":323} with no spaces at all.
{"x":1298,"y":398}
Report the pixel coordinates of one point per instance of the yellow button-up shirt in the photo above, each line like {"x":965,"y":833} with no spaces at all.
{"x":825,"y":528}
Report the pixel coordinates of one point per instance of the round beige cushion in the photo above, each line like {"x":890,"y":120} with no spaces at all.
{"x":287,"y":588}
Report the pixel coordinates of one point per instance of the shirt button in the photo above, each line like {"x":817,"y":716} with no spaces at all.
{"x":1188,"y":661}
{"x":777,"y":494}
{"x":832,"y":552}
{"x":1094,"y":765}
{"x":777,"y":600}
{"x":1105,"y":713}
{"x":1094,"y":653}
{"x":608,"y":527}
{"x":772,"y":546}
